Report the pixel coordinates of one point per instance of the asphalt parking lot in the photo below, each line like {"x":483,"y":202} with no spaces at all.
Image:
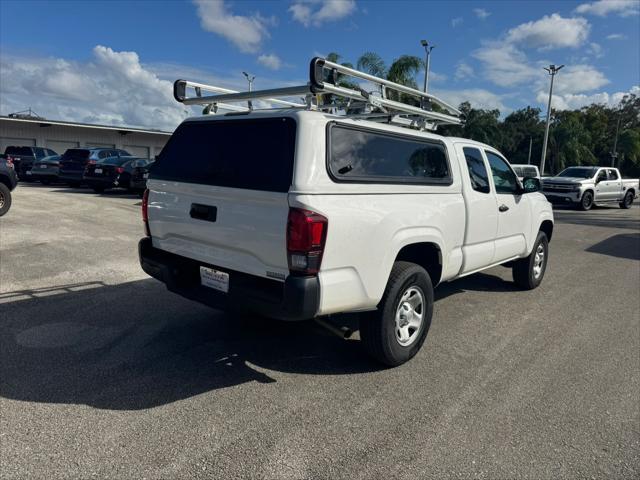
{"x":103,"y":373}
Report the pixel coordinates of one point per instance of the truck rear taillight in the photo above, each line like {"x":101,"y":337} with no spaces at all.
{"x":145,"y":213}
{"x":306,"y":236}
{"x":119,"y":169}
{"x":9,"y":162}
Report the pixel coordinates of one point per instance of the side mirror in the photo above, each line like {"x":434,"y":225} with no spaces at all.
{"x":531,"y":184}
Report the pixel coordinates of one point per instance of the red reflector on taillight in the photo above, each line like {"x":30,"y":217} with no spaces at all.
{"x":119,"y":169}
{"x":145,"y":213}
{"x":306,"y":235}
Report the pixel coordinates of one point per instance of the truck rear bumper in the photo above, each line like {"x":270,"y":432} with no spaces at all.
{"x":297,"y":298}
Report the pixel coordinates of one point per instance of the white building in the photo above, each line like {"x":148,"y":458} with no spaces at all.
{"x":59,"y":136}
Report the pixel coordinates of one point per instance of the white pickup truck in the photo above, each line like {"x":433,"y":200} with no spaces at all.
{"x":585,"y":187}
{"x":296,"y":214}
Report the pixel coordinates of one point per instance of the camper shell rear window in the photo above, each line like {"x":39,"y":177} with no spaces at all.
{"x":252,"y":154}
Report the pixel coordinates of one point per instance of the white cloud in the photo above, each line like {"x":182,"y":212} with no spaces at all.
{"x":504,"y":64}
{"x":317,"y":12}
{"x":551,"y":31}
{"x":437,"y":77}
{"x":481,"y":13}
{"x":463,"y":71}
{"x":576,"y":101}
{"x":477,"y":97}
{"x":616,"y":36}
{"x":456,"y":21}
{"x":113,"y":88}
{"x":271,"y":61}
{"x":246,"y":33}
{"x":595,"y":50}
{"x":602,"y":8}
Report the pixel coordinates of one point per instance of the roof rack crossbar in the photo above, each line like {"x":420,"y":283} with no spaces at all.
{"x":320,"y":71}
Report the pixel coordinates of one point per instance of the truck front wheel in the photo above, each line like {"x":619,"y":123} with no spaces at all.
{"x":587,"y":201}
{"x":528,"y":272}
{"x":395,"y":331}
{"x":5,"y":199}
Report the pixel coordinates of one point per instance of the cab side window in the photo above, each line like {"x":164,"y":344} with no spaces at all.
{"x":477,"y":170}
{"x":602,"y":175}
{"x":504,"y":179}
{"x":613,"y":175}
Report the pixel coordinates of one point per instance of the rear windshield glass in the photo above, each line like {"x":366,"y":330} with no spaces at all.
{"x":362,"y":155}
{"x":19,"y":151}
{"x":255,"y":154}
{"x":75,"y":154}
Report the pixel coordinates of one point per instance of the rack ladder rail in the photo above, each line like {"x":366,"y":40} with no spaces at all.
{"x":319,"y":70}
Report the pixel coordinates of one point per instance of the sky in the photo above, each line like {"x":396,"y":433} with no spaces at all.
{"x":114,"y":62}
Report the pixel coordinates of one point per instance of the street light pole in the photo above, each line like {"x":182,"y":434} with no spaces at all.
{"x":250,"y":79}
{"x":614,"y":154}
{"x":427,"y":49}
{"x":530,"y":144}
{"x":553,"y":69}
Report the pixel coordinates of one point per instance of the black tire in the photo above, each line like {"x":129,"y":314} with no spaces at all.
{"x":98,"y":189}
{"x":5,"y":199}
{"x":586,"y":202}
{"x":627,"y":200}
{"x":74,"y":184}
{"x":45,"y":181}
{"x":524,"y":270}
{"x":378,"y":329}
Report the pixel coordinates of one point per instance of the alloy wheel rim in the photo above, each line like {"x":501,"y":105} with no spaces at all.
{"x":409,"y":316}
{"x":538,"y":261}
{"x":1,"y":199}
{"x":587,"y":200}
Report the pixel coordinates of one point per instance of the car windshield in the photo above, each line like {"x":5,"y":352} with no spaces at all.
{"x":578,"y":172}
{"x":76,"y":154}
{"x":19,"y":151}
{"x":51,"y":159}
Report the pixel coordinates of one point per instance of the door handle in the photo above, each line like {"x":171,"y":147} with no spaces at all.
{"x":203,"y":212}
{"x":503,"y":208}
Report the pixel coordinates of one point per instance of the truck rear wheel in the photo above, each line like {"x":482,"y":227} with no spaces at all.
{"x":529,"y":272}
{"x":395,"y":331}
{"x":627,"y":200}
{"x":5,"y":199}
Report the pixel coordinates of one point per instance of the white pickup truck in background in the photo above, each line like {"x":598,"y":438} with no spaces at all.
{"x":585,"y":187}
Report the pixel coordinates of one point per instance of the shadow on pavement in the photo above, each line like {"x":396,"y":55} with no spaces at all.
{"x":600,"y":217}
{"x":478,"y":282}
{"x":136,"y":346}
{"x":625,"y":245}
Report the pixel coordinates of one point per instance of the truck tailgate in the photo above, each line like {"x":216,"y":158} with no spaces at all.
{"x":242,"y":230}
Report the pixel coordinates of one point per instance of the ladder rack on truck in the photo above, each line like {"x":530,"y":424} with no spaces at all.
{"x":332,"y":88}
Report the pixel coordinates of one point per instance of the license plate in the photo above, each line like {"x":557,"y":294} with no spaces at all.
{"x":214,"y":279}
{"x":145,"y":175}
{"x":28,"y":172}
{"x":43,"y":166}
{"x":98,"y":170}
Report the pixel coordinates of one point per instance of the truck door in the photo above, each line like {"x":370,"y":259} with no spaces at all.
{"x":611,"y":189}
{"x":514,"y":212}
{"x":482,"y":210}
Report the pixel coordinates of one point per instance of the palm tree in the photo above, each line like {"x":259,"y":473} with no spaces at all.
{"x":403,"y":70}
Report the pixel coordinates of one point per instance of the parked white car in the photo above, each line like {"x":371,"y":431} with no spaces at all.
{"x":523,"y":170}
{"x":587,"y":186}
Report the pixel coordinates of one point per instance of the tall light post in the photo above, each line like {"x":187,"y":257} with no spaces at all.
{"x":427,"y":49}
{"x":552,"y":69}
{"x":614,"y":154}
{"x":250,"y":79}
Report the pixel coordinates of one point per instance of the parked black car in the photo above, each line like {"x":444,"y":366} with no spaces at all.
{"x":116,"y":172}
{"x":75,"y":160}
{"x":140,"y":174}
{"x":46,"y":169}
{"x":8,"y":181}
{"x":23,"y":158}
